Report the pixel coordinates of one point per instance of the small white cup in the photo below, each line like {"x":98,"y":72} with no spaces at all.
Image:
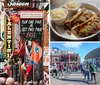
{"x":70,"y":3}
{"x":60,"y":21}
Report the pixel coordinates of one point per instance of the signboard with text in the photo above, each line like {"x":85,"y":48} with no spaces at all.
{"x":31,"y":24}
{"x":31,"y":29}
{"x":9,"y":38}
{"x":18,"y":3}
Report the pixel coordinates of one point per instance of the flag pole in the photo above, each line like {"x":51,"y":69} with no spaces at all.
{"x":33,"y":69}
{"x":33,"y":74}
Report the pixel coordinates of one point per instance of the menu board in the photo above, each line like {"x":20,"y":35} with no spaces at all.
{"x":31,"y":29}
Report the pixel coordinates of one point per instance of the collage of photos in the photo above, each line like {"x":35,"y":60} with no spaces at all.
{"x":24,"y":42}
{"x":49,"y":42}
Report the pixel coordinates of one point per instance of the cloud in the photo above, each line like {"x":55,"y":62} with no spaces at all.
{"x":72,"y":44}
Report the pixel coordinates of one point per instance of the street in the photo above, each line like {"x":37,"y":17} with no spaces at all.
{"x":73,"y":79}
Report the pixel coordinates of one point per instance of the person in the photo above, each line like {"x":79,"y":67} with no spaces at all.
{"x":41,"y":82}
{"x":87,"y":73}
{"x":10,"y":81}
{"x":16,"y":83}
{"x":25,"y":83}
{"x":61,"y":69}
{"x":2,"y":81}
{"x":69,"y":68}
{"x":93,"y":70}
{"x":81,"y":68}
{"x":54,"y":71}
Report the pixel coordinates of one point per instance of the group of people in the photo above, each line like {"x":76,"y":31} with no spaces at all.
{"x":6,"y":80}
{"x":89,"y":71}
{"x":58,"y":70}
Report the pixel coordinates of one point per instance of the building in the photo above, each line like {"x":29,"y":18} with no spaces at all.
{"x":65,"y":57}
{"x":94,"y":56}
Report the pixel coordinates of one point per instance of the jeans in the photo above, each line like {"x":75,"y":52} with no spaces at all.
{"x":54,"y":73}
{"x":87,"y":75}
{"x":61,"y":74}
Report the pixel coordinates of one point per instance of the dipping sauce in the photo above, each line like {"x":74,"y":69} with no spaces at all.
{"x":72,"y":4}
{"x":58,"y":13}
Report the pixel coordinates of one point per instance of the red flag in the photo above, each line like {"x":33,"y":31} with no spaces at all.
{"x":36,"y":52}
{"x":28,"y":70}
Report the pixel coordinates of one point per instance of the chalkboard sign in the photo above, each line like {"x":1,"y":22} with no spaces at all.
{"x":31,"y":29}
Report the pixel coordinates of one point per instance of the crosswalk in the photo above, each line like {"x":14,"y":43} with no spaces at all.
{"x":75,"y":76}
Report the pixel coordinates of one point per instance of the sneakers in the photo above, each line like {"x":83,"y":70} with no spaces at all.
{"x":62,"y":76}
{"x":95,"y":82}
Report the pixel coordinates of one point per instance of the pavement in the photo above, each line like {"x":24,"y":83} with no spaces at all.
{"x":73,"y":79}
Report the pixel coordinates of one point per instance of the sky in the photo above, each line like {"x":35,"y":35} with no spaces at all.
{"x":79,"y":47}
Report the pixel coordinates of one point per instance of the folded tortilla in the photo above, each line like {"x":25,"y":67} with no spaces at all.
{"x":82,"y":16}
{"x":87,"y":28}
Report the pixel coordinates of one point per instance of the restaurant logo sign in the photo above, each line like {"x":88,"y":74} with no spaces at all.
{"x":17,"y":3}
{"x":8,"y":41}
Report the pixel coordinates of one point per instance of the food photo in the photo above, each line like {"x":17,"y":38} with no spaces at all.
{"x":75,"y":20}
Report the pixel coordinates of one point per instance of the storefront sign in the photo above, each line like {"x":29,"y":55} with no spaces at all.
{"x":18,"y":3}
{"x":31,"y":29}
{"x":8,"y":38}
{"x":46,"y":60}
{"x":46,"y":50}
{"x":31,"y":14}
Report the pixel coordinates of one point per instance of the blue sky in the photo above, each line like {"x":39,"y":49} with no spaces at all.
{"x":78,"y":47}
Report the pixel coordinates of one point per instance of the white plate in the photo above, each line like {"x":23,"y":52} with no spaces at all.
{"x":59,"y":30}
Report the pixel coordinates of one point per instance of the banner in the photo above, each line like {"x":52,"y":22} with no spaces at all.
{"x":36,"y":53}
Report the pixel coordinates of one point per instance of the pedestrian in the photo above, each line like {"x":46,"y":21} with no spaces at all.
{"x":25,"y":83}
{"x":69,"y":69}
{"x":81,"y":67}
{"x":54,"y":71}
{"x":93,"y":70}
{"x":61,"y":69}
{"x":10,"y":81}
{"x":2,"y":81}
{"x":87,"y":73}
{"x":84,"y":71}
{"x":16,"y":83}
{"x":41,"y":82}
